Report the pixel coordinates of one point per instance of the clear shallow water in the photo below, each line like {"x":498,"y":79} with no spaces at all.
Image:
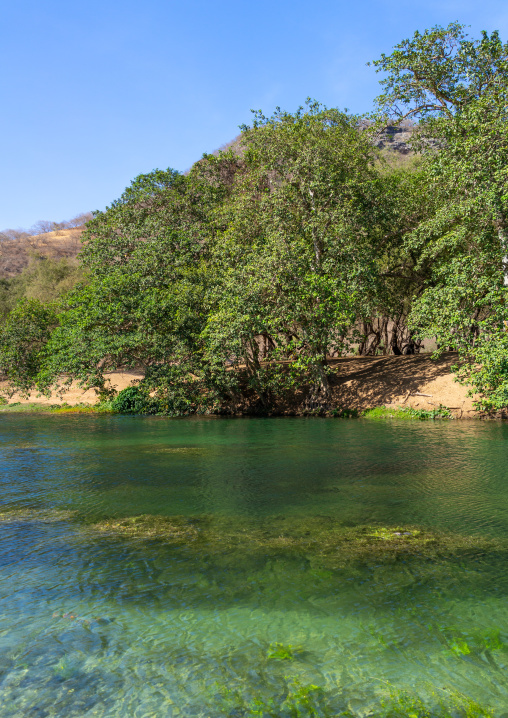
{"x":98,"y":624}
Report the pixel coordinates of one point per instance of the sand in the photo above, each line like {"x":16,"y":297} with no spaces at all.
{"x":417,"y":381}
{"x":73,"y":394}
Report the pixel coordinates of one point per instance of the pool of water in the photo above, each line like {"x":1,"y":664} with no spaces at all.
{"x":96,"y":621}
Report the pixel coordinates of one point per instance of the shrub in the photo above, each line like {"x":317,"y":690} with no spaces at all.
{"x":133,"y":400}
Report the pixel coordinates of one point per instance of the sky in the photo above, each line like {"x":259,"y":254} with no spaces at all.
{"x":94,"y":93}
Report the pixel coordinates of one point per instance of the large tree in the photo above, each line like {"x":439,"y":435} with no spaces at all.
{"x":144,"y":304}
{"x":457,"y":89}
{"x":297,"y":247}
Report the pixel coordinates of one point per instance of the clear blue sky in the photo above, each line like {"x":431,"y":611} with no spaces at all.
{"x":94,"y":93}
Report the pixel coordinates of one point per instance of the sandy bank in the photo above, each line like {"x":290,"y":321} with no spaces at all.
{"x":416,"y":381}
{"x":74,"y":394}
{"x":357,"y":383}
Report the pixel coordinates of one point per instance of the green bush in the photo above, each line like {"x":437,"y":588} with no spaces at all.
{"x":133,"y":400}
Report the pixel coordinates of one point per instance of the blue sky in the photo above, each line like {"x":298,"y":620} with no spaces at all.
{"x":95,"y":93}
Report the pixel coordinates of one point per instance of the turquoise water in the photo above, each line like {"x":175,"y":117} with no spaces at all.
{"x":96,"y":622}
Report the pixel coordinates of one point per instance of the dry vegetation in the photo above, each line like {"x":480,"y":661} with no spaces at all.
{"x":15,"y":253}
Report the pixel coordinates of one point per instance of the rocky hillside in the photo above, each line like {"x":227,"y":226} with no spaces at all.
{"x":396,"y":139}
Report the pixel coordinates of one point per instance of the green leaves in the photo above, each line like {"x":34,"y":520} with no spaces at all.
{"x":441,"y":71}
{"x":23,"y":344}
{"x":458,"y":89}
{"x":296,"y":248}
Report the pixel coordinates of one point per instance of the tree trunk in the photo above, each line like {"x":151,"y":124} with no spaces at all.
{"x":320,"y":393}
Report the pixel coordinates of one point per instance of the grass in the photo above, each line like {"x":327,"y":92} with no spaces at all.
{"x":36,"y":407}
{"x":102,"y":408}
{"x":108,"y":407}
{"x":408,"y":412}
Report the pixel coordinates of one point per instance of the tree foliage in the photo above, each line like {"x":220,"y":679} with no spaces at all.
{"x":295,"y":247}
{"x":23,"y":344}
{"x":458,"y":90}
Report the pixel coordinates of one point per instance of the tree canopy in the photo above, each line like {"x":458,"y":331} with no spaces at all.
{"x":457,"y":88}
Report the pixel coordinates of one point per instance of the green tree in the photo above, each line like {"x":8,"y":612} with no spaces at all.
{"x":295,"y":248}
{"x":145,"y":304}
{"x":23,"y":343}
{"x":457,"y":89}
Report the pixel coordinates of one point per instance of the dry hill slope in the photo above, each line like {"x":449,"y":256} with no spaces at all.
{"x":15,"y":253}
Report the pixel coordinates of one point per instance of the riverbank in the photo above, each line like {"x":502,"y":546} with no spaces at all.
{"x":413,"y":382}
{"x":358,"y":384}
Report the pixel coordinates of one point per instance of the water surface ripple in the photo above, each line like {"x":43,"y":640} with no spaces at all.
{"x":95,"y":622}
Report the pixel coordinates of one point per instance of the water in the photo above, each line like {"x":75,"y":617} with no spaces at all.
{"x":236,"y":610}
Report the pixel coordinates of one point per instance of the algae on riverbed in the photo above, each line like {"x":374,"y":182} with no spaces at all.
{"x":331,"y":543}
{"x":304,"y":565}
{"x":297,"y":700}
{"x":35,"y":515}
{"x":325,"y":541}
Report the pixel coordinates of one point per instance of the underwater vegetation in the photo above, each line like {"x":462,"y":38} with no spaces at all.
{"x":78,"y":685}
{"x":328,"y":542}
{"x":36,"y":515}
{"x":299,"y":700}
{"x":198,"y":566}
{"x":470,"y":643}
{"x":281,"y":652}
{"x":402,"y":704}
{"x":209,"y":563}
{"x":336,"y":581}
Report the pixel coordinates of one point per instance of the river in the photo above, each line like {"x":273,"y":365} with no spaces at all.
{"x":155,"y":567}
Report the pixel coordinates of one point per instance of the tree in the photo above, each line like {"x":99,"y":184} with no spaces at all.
{"x":440,"y":72}
{"x":23,"y":343}
{"x":296,"y":247}
{"x":145,"y":303}
{"x":457,"y":89}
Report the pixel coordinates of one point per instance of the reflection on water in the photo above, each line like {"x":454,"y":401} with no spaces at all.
{"x":104,"y":623}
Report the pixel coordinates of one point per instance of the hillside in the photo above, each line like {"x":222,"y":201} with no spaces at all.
{"x":15,"y":253}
